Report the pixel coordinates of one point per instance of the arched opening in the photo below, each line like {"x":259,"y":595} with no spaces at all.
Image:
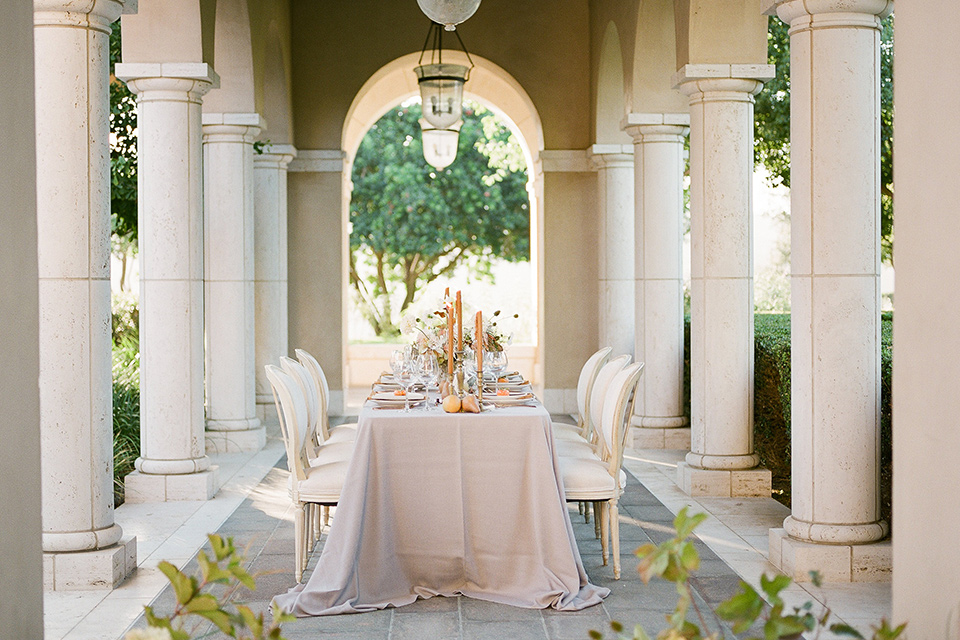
{"x":495,"y":90}
{"x":611,"y":103}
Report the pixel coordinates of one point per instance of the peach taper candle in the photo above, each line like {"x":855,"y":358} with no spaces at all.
{"x":450,"y":340}
{"x":459,"y":323}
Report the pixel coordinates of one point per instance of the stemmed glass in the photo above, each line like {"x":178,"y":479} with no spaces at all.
{"x":428,"y":369}
{"x":406,"y":379}
{"x":470,"y":364}
{"x":496,"y":362}
{"x":397,"y":359}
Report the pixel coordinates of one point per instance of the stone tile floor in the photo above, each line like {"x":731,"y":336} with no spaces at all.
{"x":253,"y":489}
{"x":258,"y":525}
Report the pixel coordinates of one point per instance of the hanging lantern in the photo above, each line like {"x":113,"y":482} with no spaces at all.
{"x":440,"y":145}
{"x":449,"y":13}
{"x":441,"y":85}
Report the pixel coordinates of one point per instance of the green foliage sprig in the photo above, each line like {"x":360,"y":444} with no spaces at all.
{"x":195,"y":601}
{"x":676,"y":559}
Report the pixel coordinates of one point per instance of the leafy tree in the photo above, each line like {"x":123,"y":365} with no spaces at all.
{"x":412,"y":223}
{"x":772,"y":122}
{"x":123,"y":160}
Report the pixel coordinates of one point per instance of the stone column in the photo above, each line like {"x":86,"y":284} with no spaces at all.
{"x":721,"y":461}
{"x":658,"y":224}
{"x":270,"y":266}
{"x":614,"y":164}
{"x":172,"y":464}
{"x":835,"y":289}
{"x":232,"y":423}
{"x":926,"y":369}
{"x":71,"y":50}
{"x":21,"y":586}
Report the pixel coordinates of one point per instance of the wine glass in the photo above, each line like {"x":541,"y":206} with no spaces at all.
{"x":470,"y":363}
{"x":397,"y":359}
{"x":428,"y":369}
{"x":406,"y":379}
{"x":496,"y":361}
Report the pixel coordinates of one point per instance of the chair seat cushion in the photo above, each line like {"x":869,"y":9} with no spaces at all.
{"x":574,"y":449}
{"x":588,"y":479}
{"x":565,"y":434}
{"x":323,"y":483}
{"x":341,"y":434}
{"x":332,"y":452}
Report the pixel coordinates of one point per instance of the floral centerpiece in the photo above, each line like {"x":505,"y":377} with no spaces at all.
{"x":429,"y":333}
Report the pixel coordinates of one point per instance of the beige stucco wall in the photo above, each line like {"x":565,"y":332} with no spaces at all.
{"x":21,"y":596}
{"x":720,"y":31}
{"x":337,"y":46}
{"x":570,"y":276}
{"x":315,"y":259}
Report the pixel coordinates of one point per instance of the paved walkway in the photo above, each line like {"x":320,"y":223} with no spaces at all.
{"x":252,"y":506}
{"x":263,"y":523}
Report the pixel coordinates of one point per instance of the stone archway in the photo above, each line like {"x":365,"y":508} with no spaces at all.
{"x":497,"y":90}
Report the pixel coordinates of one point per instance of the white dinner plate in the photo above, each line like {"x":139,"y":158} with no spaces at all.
{"x":509,"y":400}
{"x":390,"y":396}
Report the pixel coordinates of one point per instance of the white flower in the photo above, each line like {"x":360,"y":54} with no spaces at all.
{"x":150,"y":633}
{"x":408,"y":324}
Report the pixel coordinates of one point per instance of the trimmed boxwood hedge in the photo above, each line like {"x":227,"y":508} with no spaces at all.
{"x":771,"y":426}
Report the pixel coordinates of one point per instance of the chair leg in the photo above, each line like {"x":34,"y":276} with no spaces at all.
{"x":596,"y":520}
{"x":299,"y":533}
{"x":603,"y":515}
{"x":325,"y":518}
{"x":615,"y":537}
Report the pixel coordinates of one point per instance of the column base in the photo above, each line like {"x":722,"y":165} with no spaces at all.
{"x":236,"y":441}
{"x":836,"y":562}
{"x":143,"y":487}
{"x":661,"y":438}
{"x":267,"y":412}
{"x":88,"y":570}
{"x":744,"y":483}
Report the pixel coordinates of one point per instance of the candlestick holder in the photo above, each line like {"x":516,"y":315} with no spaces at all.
{"x":480,"y":388}
{"x":459,"y":388}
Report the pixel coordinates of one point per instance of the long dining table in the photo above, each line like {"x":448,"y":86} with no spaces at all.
{"x":447,"y":504}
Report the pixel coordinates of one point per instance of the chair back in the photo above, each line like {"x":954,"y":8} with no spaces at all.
{"x":617,"y":409}
{"x":588,"y":375}
{"x":292,"y":411}
{"x":322,"y":389}
{"x":303,"y":378}
{"x":598,"y":393}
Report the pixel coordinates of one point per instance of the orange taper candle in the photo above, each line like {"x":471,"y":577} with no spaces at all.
{"x":450,"y":340}
{"x":478,"y":348}
{"x":459,"y":323}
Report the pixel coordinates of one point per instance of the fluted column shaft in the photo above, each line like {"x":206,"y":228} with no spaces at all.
{"x":232,"y":423}
{"x":171,"y":279}
{"x":73,"y":220}
{"x":270,"y":264}
{"x":835,"y":265}
{"x":615,"y":181}
{"x":658,"y":272}
{"x":721,"y":304}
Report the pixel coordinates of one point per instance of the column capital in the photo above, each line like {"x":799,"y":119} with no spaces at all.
{"x":692,"y":79}
{"x":275,"y":156}
{"x":194,"y":78}
{"x":231,"y":127}
{"x":657,"y":127}
{"x":91,"y":14}
{"x":813,"y":14}
{"x":606,"y":156}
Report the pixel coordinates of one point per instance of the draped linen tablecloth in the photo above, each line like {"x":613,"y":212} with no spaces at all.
{"x":449,"y":504}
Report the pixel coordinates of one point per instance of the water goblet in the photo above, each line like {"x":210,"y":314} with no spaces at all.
{"x":496,"y":361}
{"x":429,"y":370}
{"x":406,"y":379}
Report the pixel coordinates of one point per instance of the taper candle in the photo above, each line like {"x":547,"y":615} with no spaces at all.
{"x":450,"y":340}
{"x":459,"y":323}
{"x":478,"y":347}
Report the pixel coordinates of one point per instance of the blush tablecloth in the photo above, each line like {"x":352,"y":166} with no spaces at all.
{"x":449,"y":504}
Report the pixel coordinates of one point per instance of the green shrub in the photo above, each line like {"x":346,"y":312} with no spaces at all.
{"x":126,"y":392}
{"x":771,"y":420}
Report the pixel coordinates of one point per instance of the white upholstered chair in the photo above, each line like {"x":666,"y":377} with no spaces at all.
{"x":318,"y":451}
{"x":588,"y":375}
{"x":601,"y":480}
{"x":317,"y":485}
{"x":341,"y":432}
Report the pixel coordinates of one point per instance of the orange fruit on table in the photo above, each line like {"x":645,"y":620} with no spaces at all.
{"x":451,"y":404}
{"x":399,"y":392}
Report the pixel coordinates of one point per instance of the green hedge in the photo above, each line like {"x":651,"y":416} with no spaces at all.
{"x":771,"y":426}
{"x":126,"y":392}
